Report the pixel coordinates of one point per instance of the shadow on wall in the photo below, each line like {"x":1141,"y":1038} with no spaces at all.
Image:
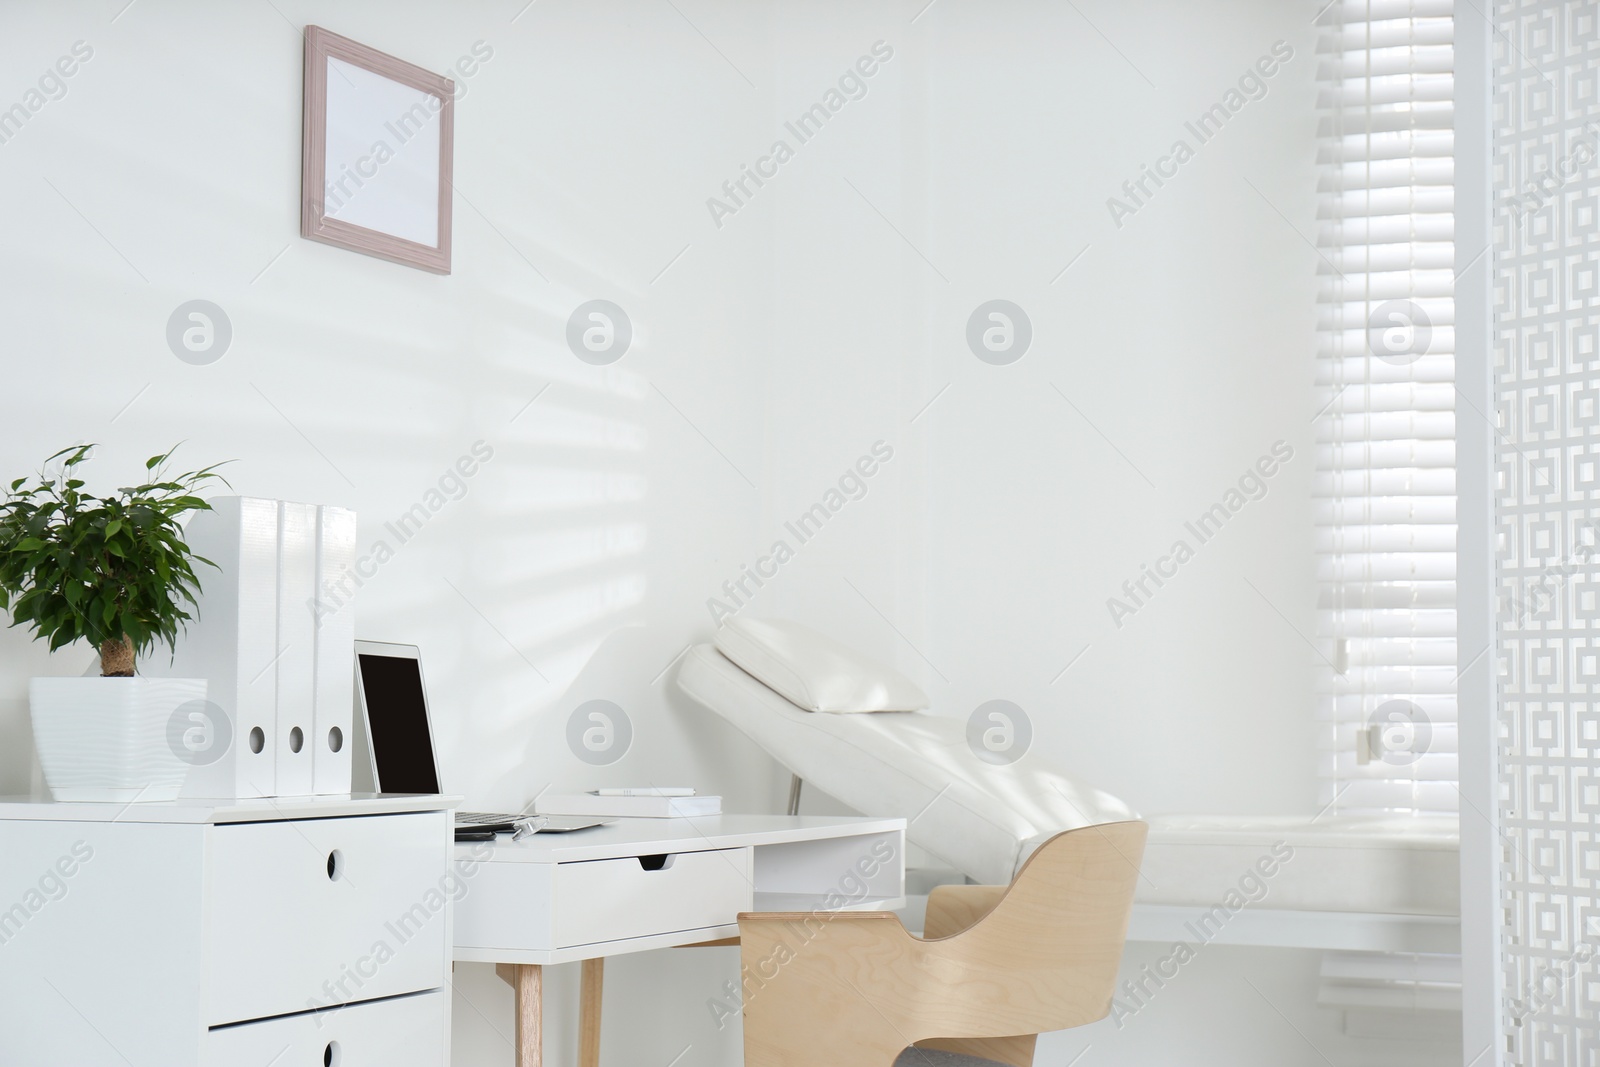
{"x":512,"y":576}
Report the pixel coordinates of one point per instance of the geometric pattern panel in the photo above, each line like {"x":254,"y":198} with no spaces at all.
{"x":1546,"y":268}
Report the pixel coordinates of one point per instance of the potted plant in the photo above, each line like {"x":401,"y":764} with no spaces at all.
{"x":114,"y":571}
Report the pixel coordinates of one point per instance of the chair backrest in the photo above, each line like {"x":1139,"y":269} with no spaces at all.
{"x":1046,"y":956}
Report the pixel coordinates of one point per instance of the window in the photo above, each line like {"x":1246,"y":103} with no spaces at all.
{"x":1385,"y":378}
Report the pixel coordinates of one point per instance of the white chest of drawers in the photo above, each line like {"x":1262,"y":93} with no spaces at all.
{"x":292,"y":932}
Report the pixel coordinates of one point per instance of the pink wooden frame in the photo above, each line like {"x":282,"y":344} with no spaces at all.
{"x":321,"y":44}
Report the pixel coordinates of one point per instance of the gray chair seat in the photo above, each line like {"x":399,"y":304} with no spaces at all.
{"x":932,"y":1057}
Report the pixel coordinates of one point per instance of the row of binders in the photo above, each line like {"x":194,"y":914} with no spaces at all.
{"x":277,"y":653}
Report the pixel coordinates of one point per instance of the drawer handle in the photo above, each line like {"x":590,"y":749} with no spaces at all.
{"x":330,"y":1055}
{"x":335,"y":872}
{"x":656,"y":863}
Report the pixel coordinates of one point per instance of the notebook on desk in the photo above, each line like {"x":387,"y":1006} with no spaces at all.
{"x":392,"y":702}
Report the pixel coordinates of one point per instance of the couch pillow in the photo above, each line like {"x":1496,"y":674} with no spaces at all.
{"x":813,"y":670}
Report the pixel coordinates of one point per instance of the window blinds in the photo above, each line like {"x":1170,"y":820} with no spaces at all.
{"x":1385,"y":378}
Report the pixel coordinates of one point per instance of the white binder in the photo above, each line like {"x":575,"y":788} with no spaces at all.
{"x":334,"y":618}
{"x":296,"y":647}
{"x":230,"y":643}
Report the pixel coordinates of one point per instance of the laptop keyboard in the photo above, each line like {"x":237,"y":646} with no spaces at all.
{"x":484,"y":818}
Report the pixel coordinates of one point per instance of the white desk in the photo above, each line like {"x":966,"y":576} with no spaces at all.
{"x":641,"y":884}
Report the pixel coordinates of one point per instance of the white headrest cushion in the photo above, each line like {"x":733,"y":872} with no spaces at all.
{"x":814,"y":671}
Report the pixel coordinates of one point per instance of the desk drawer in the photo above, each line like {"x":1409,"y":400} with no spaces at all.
{"x":406,"y":1032}
{"x":310,"y":913}
{"x":608,"y":900}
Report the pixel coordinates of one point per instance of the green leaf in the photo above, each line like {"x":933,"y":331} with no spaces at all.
{"x":78,"y":566}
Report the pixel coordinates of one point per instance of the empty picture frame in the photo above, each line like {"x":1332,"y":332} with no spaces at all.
{"x":379,"y":135}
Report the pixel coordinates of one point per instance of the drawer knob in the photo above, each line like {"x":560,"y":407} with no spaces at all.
{"x":330,"y":1055}
{"x":258,"y":740}
{"x":335,"y":739}
{"x":297,"y":739}
{"x":335,"y":866}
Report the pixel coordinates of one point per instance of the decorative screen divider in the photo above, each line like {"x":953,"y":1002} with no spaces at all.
{"x":1546,"y":270}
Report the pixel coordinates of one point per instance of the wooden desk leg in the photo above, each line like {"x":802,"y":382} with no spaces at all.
{"x":527,"y":983}
{"x":589,"y":1012}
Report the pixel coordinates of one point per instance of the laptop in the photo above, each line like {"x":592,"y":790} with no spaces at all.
{"x":398,"y":740}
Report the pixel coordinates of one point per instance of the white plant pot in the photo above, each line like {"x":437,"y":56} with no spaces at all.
{"x":108,"y":739}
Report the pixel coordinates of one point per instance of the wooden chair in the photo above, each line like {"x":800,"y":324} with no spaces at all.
{"x":997,"y":965}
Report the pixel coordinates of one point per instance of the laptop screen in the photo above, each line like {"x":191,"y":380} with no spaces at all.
{"x":397,"y":724}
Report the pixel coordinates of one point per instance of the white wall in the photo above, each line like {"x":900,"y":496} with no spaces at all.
{"x":581,"y":551}
{"x":778,"y":349}
{"x":992,"y":142}
{"x":170,"y":171}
